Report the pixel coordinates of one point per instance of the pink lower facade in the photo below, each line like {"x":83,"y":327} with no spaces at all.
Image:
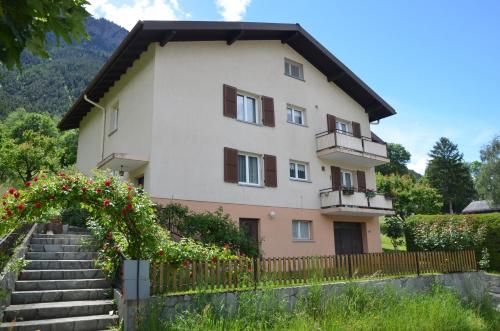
{"x":275,"y":227}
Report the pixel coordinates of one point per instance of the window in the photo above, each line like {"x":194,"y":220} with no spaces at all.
{"x":294,"y":69}
{"x":248,"y":169}
{"x":246,"y":108}
{"x":113,"y":121}
{"x":301,"y":230}
{"x":295,"y":115}
{"x":342,"y":126}
{"x":298,"y":170}
{"x":347,"y":179}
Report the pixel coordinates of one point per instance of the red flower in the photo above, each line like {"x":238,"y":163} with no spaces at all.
{"x":35,"y":179}
{"x":21,"y":206}
{"x":129,"y":188}
{"x":124,"y":211}
{"x":8,"y":211}
{"x":12,"y":190}
{"x":16,"y":195}
{"x":65,"y":187}
{"x":38,"y":205}
{"x":130,"y":207}
{"x":107,"y":183}
{"x":97,"y":190}
{"x":129,"y":197}
{"x":61,"y":174}
{"x":106,"y":202}
{"x":161,"y":252}
{"x":44,"y":176}
{"x":214,"y":259}
{"x":5,"y":196}
{"x":27,"y":184}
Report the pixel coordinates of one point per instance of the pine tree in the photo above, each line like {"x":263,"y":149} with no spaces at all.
{"x":449,"y":174}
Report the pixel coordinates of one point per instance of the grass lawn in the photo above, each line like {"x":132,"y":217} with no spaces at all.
{"x":354,"y":308}
{"x":387,"y":245}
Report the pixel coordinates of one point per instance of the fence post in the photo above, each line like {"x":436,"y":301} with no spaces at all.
{"x":417,"y":263}
{"x":254,"y":260}
{"x":349,"y":267}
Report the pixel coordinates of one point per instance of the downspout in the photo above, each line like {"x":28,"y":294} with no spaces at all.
{"x":103,"y":122}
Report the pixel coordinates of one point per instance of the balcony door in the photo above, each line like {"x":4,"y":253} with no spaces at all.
{"x":348,"y":238}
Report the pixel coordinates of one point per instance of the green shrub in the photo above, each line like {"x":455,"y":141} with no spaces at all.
{"x":456,"y":232}
{"x":210,"y":228}
{"x":74,"y":216}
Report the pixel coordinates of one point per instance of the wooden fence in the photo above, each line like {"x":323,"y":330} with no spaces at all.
{"x":248,"y":273}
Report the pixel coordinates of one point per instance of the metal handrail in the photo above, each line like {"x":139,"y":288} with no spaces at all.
{"x":325,"y":133}
{"x":355,"y":189}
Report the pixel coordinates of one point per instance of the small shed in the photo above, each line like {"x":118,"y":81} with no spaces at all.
{"x":480,"y":207}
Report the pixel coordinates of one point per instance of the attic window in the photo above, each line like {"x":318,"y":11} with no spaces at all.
{"x":294,"y":69}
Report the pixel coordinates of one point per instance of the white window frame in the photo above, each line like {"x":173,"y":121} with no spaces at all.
{"x":344,"y":173}
{"x":288,"y":64}
{"x":296,"y":177}
{"x":247,"y":169}
{"x":245,"y":112}
{"x":113,"y":118}
{"x":300,"y":237}
{"x":346,"y":124}
{"x":293,"y":110}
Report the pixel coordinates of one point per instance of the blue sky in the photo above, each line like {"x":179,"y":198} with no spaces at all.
{"x":436,"y":62}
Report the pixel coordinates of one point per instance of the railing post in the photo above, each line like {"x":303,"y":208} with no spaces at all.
{"x":254,"y":260}
{"x":349,"y":266}
{"x":417,"y":263}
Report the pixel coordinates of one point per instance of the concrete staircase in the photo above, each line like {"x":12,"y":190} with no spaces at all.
{"x":60,"y":289}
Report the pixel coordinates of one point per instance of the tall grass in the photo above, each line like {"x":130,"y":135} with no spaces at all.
{"x":353,"y":308}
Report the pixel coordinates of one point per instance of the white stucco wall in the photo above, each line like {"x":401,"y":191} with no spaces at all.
{"x":189,"y":130}
{"x":134,"y":94}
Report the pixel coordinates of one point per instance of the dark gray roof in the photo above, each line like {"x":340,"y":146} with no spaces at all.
{"x":147,"y":32}
{"x":480,"y":206}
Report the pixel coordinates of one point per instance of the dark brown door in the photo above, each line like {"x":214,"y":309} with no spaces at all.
{"x":348,"y":238}
{"x":251,"y":227}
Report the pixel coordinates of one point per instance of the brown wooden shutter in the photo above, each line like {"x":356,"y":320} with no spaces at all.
{"x":356,"y":130}
{"x":268,"y":111}
{"x":361,"y":181}
{"x":230,"y":165}
{"x":336,"y":178}
{"x":270,"y":176}
{"x":331,"y":123}
{"x":229,"y":96}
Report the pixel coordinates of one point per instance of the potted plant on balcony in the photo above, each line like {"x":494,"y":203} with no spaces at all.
{"x":369,"y":193}
{"x":346,"y":190}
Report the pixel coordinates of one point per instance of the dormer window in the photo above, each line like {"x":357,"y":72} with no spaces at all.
{"x":294,"y":69}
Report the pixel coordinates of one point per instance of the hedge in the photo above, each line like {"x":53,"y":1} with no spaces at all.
{"x":438,"y":232}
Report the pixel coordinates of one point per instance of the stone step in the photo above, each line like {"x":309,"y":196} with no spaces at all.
{"x":46,"y":310}
{"x":24,"y":297}
{"x":61,"y":284}
{"x":60,"y":255}
{"x":49,"y":274}
{"x":495,"y":289}
{"x":62,"y":241}
{"x":60,"y":248}
{"x":80,"y":323}
{"x":59,"y":264}
{"x":62,"y":235}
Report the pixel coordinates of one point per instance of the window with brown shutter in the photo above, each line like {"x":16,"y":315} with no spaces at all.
{"x":336,"y":178}
{"x":361,"y":181}
{"x":230,"y":165}
{"x":229,"y":96}
{"x":330,"y":123}
{"x":356,"y":130}
{"x":270,"y":175}
{"x":268,"y":111}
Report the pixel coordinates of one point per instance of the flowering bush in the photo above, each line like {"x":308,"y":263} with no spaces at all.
{"x":121,"y":217}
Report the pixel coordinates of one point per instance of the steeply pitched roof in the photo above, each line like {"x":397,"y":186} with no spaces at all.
{"x":480,"y":206}
{"x":146,"y":32}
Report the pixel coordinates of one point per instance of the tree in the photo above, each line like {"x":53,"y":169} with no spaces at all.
{"x":24,"y":24}
{"x":409,"y":196}
{"x":30,"y":143}
{"x":399,"y":157}
{"x":488,"y":177}
{"x":450,"y":175}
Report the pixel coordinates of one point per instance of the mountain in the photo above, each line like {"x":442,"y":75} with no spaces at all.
{"x":52,"y":85}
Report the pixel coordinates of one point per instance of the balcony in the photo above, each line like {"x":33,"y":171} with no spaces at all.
{"x":353,"y":203}
{"x":343,"y":147}
{"x":123,"y":161}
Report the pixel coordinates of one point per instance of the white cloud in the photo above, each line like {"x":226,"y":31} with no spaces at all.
{"x":232,"y":10}
{"x":418,"y":165}
{"x":127,"y":14}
